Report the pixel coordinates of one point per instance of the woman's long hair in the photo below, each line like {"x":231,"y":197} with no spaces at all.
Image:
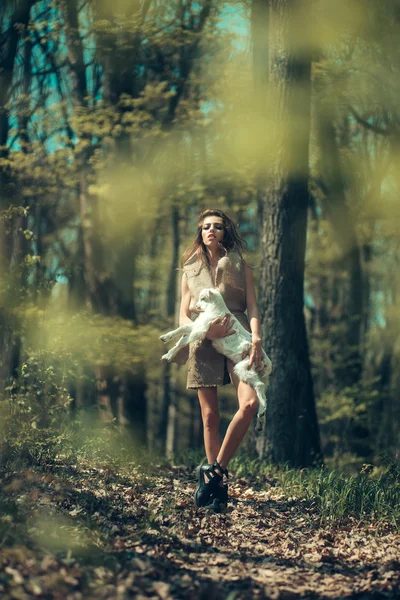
{"x":231,"y":240}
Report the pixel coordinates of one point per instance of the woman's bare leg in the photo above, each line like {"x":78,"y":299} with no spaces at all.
{"x":208,"y":399}
{"x":248,"y":406}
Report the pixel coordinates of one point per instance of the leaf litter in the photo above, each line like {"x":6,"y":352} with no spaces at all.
{"x":76,"y":532}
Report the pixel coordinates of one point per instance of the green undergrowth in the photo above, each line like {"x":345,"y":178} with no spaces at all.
{"x":372,"y":494}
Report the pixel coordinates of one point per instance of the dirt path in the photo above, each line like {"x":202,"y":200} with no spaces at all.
{"x":78,"y":532}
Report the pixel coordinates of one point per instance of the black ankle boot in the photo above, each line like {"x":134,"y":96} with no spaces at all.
{"x":218,"y":500}
{"x":205,"y":488}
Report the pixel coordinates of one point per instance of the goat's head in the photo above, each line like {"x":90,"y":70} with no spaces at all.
{"x":209,"y":296}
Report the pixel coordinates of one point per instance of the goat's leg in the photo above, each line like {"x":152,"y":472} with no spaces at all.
{"x":252,"y":378}
{"x":260,"y":391}
{"x":194,"y":334}
{"x":260,"y":423}
{"x":183,"y":341}
{"x":198,"y":332}
{"x":182,"y":330}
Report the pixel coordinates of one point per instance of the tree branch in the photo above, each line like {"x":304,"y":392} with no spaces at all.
{"x":375,"y":128}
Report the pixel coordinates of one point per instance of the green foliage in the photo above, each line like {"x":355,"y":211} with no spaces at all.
{"x":97,"y":158}
{"x":345,"y":412}
{"x":35,"y":411}
{"x":88,"y":339}
{"x":374,"y":493}
{"x":102,"y":444}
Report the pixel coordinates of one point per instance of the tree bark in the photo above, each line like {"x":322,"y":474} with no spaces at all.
{"x":167,"y":426}
{"x":292,"y":433}
{"x":75,"y":52}
{"x":172,"y":280}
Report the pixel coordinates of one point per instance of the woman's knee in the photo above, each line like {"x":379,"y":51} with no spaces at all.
{"x":249,"y":405}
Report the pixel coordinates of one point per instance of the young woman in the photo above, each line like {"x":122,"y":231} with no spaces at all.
{"x":215,"y":260}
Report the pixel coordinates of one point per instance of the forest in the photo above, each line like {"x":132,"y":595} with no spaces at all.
{"x":119,"y":123}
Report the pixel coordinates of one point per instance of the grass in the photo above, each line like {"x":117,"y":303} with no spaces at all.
{"x":372,"y":494}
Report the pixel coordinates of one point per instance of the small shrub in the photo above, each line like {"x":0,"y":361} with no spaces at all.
{"x":35,"y":412}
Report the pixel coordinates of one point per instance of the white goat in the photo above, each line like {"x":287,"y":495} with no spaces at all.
{"x":212,"y":305}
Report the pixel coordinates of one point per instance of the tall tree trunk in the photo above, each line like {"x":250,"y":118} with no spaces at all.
{"x":292,"y":434}
{"x":97,"y":292}
{"x":88,"y":214}
{"x":75,"y":52}
{"x":172,"y":280}
{"x":167,"y":396}
{"x":167,"y":426}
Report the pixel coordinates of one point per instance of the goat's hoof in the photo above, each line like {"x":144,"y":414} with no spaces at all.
{"x":165,"y":357}
{"x":260,"y":424}
{"x":163,"y":338}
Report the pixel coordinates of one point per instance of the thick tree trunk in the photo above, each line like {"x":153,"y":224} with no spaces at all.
{"x":292,"y":434}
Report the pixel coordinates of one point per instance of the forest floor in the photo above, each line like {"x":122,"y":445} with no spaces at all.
{"x":79,"y":531}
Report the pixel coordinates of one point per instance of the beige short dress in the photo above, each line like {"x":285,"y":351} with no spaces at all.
{"x":206,"y":366}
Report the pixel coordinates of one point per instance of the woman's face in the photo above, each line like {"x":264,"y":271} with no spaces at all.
{"x":212,"y":231}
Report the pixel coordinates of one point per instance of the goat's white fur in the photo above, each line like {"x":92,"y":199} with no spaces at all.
{"x":212,"y":305}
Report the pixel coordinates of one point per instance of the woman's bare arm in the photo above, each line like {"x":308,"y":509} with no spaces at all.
{"x":254,"y":319}
{"x":184,"y":312}
{"x":251,"y":302}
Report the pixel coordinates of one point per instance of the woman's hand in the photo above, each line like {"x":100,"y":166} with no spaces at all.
{"x":256,"y":354}
{"x":220,"y":327}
